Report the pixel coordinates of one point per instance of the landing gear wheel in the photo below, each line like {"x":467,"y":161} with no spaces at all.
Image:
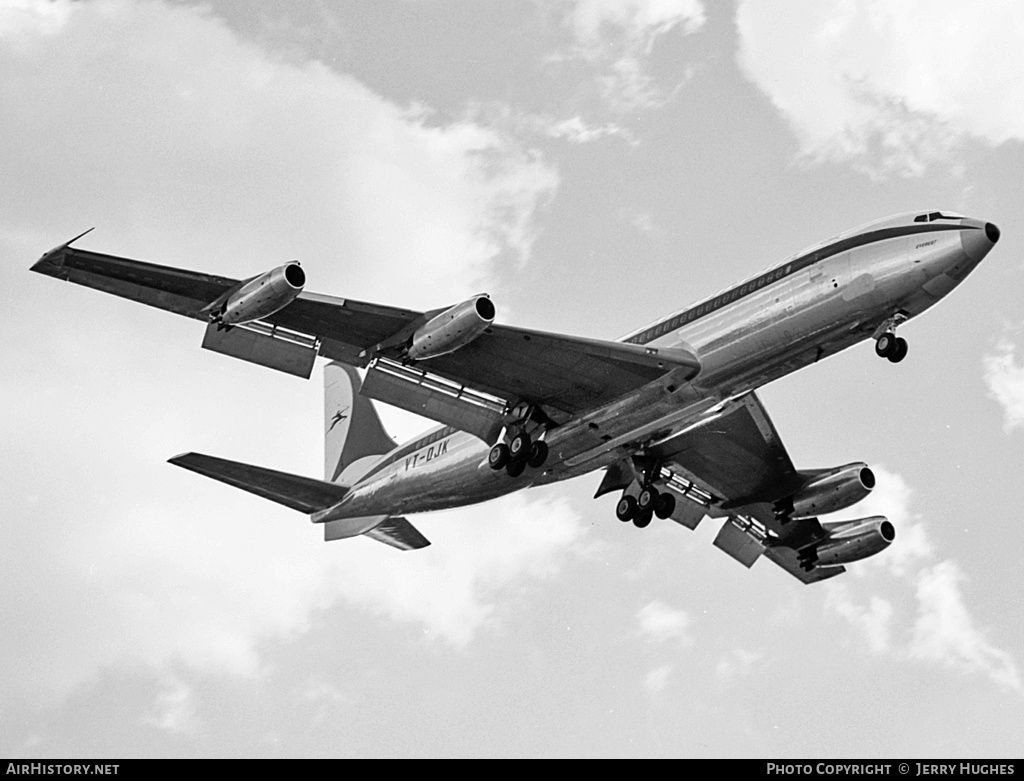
{"x":642,"y":519}
{"x":519,"y":447}
{"x":899,"y":352}
{"x":665,"y":506}
{"x":515,"y":468}
{"x":886,"y":345}
{"x":499,"y":456}
{"x":538,"y":455}
{"x":626,"y":508}
{"x":648,"y":499}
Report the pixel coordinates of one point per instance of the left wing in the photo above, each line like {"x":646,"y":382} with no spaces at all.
{"x":565,"y":374}
{"x":739,"y":467}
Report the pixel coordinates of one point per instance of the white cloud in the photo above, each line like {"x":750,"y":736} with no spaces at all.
{"x":1005,"y":380}
{"x":192,"y":147}
{"x":917,"y":589}
{"x":888,"y":86}
{"x":174,"y":710}
{"x":656,"y":680}
{"x":618,"y":36}
{"x":661,"y":623}
{"x":944,"y":631}
{"x":738,"y":662}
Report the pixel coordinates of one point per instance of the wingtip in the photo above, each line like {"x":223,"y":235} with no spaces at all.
{"x":51,"y":262}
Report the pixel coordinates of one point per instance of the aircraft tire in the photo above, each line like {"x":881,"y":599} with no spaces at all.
{"x":519,"y":447}
{"x":642,"y":519}
{"x":498,"y":457}
{"x":515,"y":468}
{"x":886,"y":347}
{"x":625,"y":509}
{"x":665,"y":506}
{"x":899,"y":352}
{"x":648,"y":499}
{"x":538,"y":455}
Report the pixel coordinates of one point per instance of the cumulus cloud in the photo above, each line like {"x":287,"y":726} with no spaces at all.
{"x":737,"y":663}
{"x":1005,"y":380}
{"x":193,"y":147}
{"x":660,"y":622}
{"x":890,"y":87}
{"x":919,"y":591}
{"x":618,"y":36}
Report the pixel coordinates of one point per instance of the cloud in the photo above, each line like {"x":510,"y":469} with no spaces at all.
{"x":944,"y":631}
{"x":618,"y":37}
{"x":918,"y":591}
{"x":738,"y":662}
{"x":661,"y":623}
{"x":888,"y":87}
{"x":656,"y":680}
{"x":191,"y":146}
{"x":1005,"y":380}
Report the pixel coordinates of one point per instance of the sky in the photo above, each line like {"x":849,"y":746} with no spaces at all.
{"x":592,"y":164}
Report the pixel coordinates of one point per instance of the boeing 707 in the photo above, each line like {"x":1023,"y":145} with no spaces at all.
{"x":669,"y":412}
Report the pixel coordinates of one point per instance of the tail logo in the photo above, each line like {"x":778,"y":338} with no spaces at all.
{"x":338,"y":417}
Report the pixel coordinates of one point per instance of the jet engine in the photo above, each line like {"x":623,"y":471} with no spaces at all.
{"x":829,"y":491}
{"x":452,"y":329}
{"x":854,"y":540}
{"x":262,"y":296}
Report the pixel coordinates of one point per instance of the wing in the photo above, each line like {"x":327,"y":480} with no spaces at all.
{"x":566,"y":374}
{"x":739,"y":467}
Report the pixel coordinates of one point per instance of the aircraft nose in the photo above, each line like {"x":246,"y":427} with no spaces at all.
{"x":978,"y":239}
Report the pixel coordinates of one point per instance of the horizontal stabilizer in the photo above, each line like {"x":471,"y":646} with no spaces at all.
{"x":399,"y":533}
{"x":304,"y":494}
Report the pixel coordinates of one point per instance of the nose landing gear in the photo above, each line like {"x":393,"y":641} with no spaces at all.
{"x":887,"y":344}
{"x":892,"y":347}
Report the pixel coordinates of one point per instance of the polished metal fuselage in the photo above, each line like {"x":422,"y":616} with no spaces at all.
{"x":811,"y":306}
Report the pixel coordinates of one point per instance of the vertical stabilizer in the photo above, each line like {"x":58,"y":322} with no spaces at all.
{"x":352,"y":429}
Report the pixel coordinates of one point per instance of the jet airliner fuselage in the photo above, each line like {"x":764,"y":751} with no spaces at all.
{"x":857,"y":285}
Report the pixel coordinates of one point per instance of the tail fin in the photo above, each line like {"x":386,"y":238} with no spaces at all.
{"x":352,"y":429}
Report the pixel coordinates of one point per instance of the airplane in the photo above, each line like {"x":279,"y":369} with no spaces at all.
{"x":670,"y":412}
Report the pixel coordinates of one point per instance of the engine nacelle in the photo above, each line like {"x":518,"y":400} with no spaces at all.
{"x":452,"y":329}
{"x":854,"y":540}
{"x":261,"y":297}
{"x":833,"y":490}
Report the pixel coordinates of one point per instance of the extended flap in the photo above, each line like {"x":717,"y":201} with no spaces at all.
{"x":738,"y":542}
{"x":275,"y":348}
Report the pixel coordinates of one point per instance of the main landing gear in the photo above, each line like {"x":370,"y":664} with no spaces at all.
{"x":640,"y":509}
{"x":519,"y":453}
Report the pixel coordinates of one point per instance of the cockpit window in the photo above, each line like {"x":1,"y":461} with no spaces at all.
{"x":931,"y":217}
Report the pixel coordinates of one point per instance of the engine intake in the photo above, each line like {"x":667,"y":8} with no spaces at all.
{"x":829,"y":491}
{"x":854,"y":540}
{"x":263,"y":296}
{"x":452,"y":329}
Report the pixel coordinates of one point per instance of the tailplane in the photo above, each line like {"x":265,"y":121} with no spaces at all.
{"x":352,"y":429}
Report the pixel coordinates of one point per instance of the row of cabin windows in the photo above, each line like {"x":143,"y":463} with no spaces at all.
{"x":703,"y":309}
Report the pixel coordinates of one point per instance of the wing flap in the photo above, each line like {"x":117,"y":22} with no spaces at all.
{"x":304,"y":494}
